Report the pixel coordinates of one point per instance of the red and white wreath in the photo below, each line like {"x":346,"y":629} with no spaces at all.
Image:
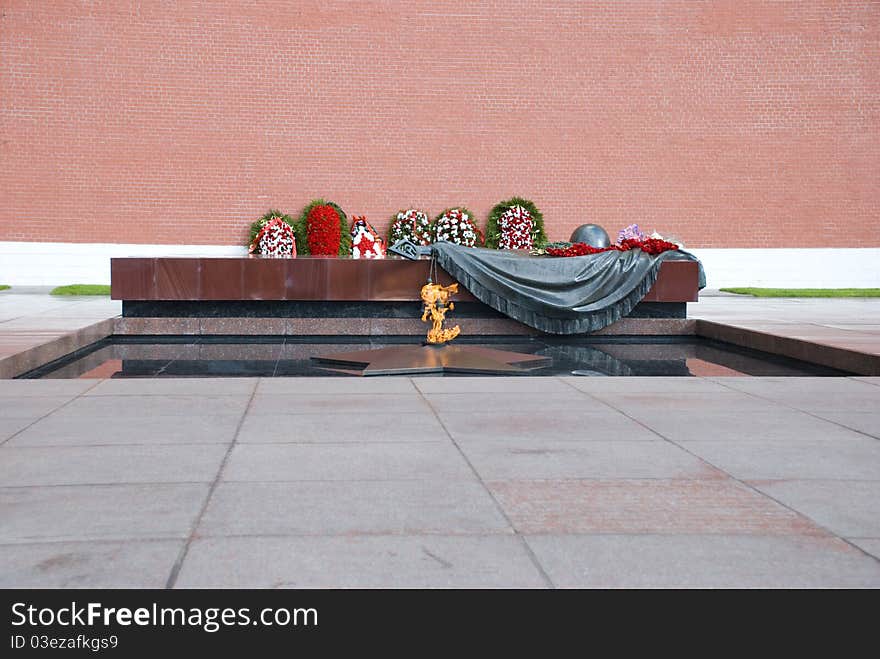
{"x":516,"y":226}
{"x":456,"y":226}
{"x":365,"y":240}
{"x":276,"y":238}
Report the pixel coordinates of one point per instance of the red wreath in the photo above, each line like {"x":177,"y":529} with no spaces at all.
{"x":322,"y":231}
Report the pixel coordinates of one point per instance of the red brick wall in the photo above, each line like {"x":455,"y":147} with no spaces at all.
{"x":728,"y":123}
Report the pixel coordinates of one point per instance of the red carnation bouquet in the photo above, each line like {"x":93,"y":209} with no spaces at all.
{"x":322,"y":231}
{"x":651,"y":246}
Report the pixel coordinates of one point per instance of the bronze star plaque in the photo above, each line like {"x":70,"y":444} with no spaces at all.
{"x":409,"y":360}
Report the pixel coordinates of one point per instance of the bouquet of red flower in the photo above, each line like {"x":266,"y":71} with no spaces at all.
{"x":651,"y":246}
{"x":322,"y":230}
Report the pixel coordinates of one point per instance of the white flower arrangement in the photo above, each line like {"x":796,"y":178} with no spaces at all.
{"x":456,"y":226}
{"x":413,"y":225}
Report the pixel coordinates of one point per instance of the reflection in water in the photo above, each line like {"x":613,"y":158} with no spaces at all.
{"x":218,"y":358}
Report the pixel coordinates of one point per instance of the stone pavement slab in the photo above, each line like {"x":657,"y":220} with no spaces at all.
{"x":786,"y":389}
{"x":869,"y":545}
{"x":800,"y":459}
{"x":174,"y":387}
{"x":124,"y":430}
{"x":51,"y":388}
{"x":644,"y":506}
{"x":562,"y":426}
{"x":9,"y":427}
{"x":735,"y":426}
{"x":335,"y":385}
{"x":98,"y":407}
{"x":88,"y":564}
{"x":863,"y":422}
{"x":406,"y":426}
{"x":98,"y":465}
{"x":347,"y":462}
{"x":644,"y":385}
{"x":546,"y":459}
{"x":703,"y":561}
{"x":30,"y":407}
{"x":649,"y":405}
{"x":352,"y":508}
{"x":384,"y":405}
{"x":425,"y":561}
{"x":833,"y":401}
{"x":846,"y":508}
{"x":99,"y":512}
{"x":497,"y":385}
{"x":569,"y":401}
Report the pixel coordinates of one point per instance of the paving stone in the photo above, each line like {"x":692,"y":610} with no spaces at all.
{"x":175,"y":387}
{"x":650,"y":405}
{"x":499,"y":385}
{"x":633,"y":385}
{"x":352,"y":508}
{"x":97,"y":407}
{"x":557,"y":403}
{"x":82,"y":465}
{"x":870,"y":545}
{"x":703,"y":561}
{"x":30,"y":407}
{"x":573,"y":426}
{"x":99,"y":512}
{"x":864,"y":422}
{"x":360,"y":562}
{"x":807,"y":459}
{"x":541,"y":458}
{"x":141,"y":564}
{"x":335,"y":385}
{"x":835,"y":394}
{"x":384,"y":405}
{"x":846,"y":508}
{"x":644,"y":506}
{"x":732,"y":426}
{"x":8,"y":427}
{"x":341,"y":428}
{"x":84,"y":431}
{"x":52,"y":388}
{"x":340,"y":462}
{"x":787,"y":387}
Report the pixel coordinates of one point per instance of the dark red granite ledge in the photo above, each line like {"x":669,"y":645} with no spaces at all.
{"x":316,"y":278}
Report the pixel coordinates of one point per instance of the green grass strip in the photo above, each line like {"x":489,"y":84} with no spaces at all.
{"x":3,"y":287}
{"x":81,"y":289}
{"x":805,"y":292}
